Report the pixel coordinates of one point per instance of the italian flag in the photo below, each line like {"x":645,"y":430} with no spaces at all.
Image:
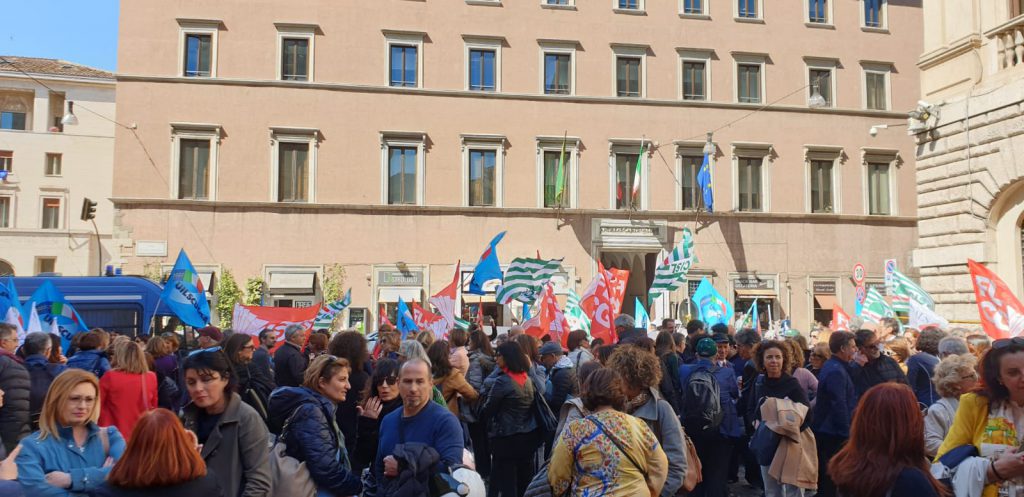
{"x":64,"y":310}
{"x":636,"y":175}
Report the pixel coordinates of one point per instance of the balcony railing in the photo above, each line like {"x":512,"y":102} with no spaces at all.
{"x":1009,"y":39}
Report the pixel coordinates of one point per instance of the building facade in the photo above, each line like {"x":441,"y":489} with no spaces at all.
{"x":971,"y":162}
{"x":48,"y":168}
{"x":394,"y":142}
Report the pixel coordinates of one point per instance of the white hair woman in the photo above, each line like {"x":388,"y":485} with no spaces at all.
{"x":954,"y":376}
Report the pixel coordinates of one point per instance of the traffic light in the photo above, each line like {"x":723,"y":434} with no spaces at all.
{"x":88,"y":209}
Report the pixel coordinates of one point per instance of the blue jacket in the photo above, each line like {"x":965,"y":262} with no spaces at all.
{"x":728,"y":392}
{"x":833,"y":408}
{"x":39,"y":457}
{"x":920,"y":369}
{"x":93,"y":361}
{"x":313,"y":436}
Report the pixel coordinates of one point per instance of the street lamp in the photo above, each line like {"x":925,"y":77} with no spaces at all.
{"x":70,"y":118}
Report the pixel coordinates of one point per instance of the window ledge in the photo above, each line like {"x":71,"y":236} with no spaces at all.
{"x":867,"y":29}
{"x":820,"y":25}
{"x":630,"y":12}
{"x":700,"y":17}
{"x":555,"y":6}
{"x":485,"y":3}
{"x":750,"y":20}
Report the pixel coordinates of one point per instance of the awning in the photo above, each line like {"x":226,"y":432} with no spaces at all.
{"x":407,"y":294}
{"x":826,"y":301}
{"x":292,"y":282}
{"x":756,"y":292}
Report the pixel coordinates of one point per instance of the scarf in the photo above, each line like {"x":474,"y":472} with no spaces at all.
{"x":635,"y":403}
{"x":518,"y":378}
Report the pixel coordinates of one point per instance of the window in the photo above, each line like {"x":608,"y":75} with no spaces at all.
{"x":12,"y":120}
{"x":625,"y":177}
{"x":694,"y":80}
{"x":46,"y":265}
{"x":821,"y":80}
{"x":556,"y":179}
{"x":6,"y":160}
{"x":293,"y":172}
{"x":198,"y":55}
{"x":878,"y":189}
{"x":693,"y":7}
{"x":1016,"y":8}
{"x":51,"y":213}
{"x":5,"y":212}
{"x":557,"y":2}
{"x":194,"y":169}
{"x":747,"y":9}
{"x":402,"y":165}
{"x":817,"y":11}
{"x":296,"y":51}
{"x":876,"y":88}
{"x":821,"y":187}
{"x":53,"y":164}
{"x":481,"y":70}
{"x":627,"y":76}
{"x":692,"y":195}
{"x":557,"y":74}
{"x":874,"y":13}
{"x":750,"y":187}
{"x":482,"y":177}
{"x":403,"y":65}
{"x":628,"y":4}
{"x":748,"y":83}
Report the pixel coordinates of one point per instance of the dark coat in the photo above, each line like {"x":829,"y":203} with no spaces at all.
{"x":417,"y":465}
{"x":206,"y":486}
{"x":347,"y":413}
{"x":920,"y":369}
{"x":312,"y":436}
{"x":289,"y":365}
{"x":237,"y":449}
{"x":884,"y":369}
{"x":562,"y":383}
{"x":369,"y":435}
{"x":508,"y":407}
{"x":833,"y":406}
{"x":41,"y":374}
{"x":93,"y":361}
{"x":17,"y":387}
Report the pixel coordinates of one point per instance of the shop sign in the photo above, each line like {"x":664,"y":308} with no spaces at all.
{"x":824,"y":287}
{"x":400,"y":278}
{"x":752,"y":283}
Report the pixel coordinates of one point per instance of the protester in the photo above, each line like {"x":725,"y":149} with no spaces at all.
{"x":165,"y":362}
{"x":561,"y":375}
{"x":641,"y":373}
{"x":161,"y":460}
{"x":425,"y":338}
{"x":512,"y":430}
{"x":90,"y":355}
{"x":746,"y":371}
{"x":128,"y":390}
{"x":833,"y":406}
{"x":609,"y":452}
{"x":531,"y":347}
{"x":458,"y":339}
{"x":579,"y":348}
{"x":16,"y":384}
{"x":41,"y":371}
{"x":573,"y":407}
{"x":310,"y":430}
{"x":381,"y":399}
{"x":411,"y":349}
{"x":670,"y":388}
{"x":985,"y":418}
{"x":921,"y":366}
{"x":808,"y":382}
{"x":251,"y":382}
{"x":953,"y":346}
{"x":819,"y":354}
{"x":261,"y":357}
{"x":233,"y":436}
{"x":624,"y":325}
{"x":388,"y":343}
{"x":886,"y":329}
{"x":289,"y":361}
{"x":209,"y":337}
{"x":954,"y":376}
{"x":714,"y":444}
{"x":316,"y":346}
{"x":56,"y":350}
{"x":871,"y":365}
{"x":885,"y":454}
{"x":978,"y":344}
{"x":481,"y":365}
{"x":70,"y":455}
{"x":452,"y":383}
{"x":899,"y":349}
{"x":773,"y":360}
{"x":418,"y":421}
{"x":351,"y":346}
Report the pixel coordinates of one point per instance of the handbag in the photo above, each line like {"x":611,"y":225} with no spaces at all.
{"x":763,"y":444}
{"x":546,"y":419}
{"x":291,"y":476}
{"x":694,"y":468}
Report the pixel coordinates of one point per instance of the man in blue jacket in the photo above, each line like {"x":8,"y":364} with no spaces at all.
{"x":834,"y":405}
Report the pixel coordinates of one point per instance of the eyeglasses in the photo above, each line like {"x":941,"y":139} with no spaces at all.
{"x":1002,"y":343}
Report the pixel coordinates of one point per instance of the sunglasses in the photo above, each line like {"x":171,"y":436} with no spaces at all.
{"x":1002,"y":343}
{"x":390,"y":380}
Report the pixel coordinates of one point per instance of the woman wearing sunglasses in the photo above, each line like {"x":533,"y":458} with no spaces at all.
{"x":989,"y":418}
{"x":381,"y":399}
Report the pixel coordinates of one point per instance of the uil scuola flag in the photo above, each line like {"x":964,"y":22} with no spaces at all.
{"x":184,"y":293}
{"x":711,"y":305}
{"x":54,"y":310}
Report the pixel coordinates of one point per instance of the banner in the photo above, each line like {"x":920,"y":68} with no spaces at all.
{"x":921,"y":316}
{"x":671,"y":273}
{"x":1002,"y":315}
{"x":525,"y":279}
{"x":840,"y":319}
{"x":54,"y":310}
{"x":252,"y":319}
{"x":328,"y":312}
{"x":904,"y":290}
{"x":712,"y":307}
{"x":426,"y":320}
{"x":875,"y":307}
{"x":602,"y":301}
{"x":184,"y":293}
{"x":444,"y":301}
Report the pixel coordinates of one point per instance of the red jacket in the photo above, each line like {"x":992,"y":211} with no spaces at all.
{"x":122,"y":399}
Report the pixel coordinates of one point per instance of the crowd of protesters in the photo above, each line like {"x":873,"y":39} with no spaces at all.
{"x":853,"y":414}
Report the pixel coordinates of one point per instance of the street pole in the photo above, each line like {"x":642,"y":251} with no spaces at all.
{"x":99,"y":249}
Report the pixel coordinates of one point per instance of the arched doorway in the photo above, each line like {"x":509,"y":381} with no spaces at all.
{"x":1006,"y":228}
{"x":6,"y":269}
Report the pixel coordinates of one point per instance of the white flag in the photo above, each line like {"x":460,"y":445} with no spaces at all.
{"x":33,"y":321}
{"x":921,"y":316}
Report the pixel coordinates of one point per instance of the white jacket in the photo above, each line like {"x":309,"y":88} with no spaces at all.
{"x":937,"y":422}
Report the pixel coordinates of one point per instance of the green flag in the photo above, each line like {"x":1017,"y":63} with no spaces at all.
{"x":904,"y":289}
{"x":578,"y":320}
{"x":636,"y":175}
{"x":671,"y":273}
{"x":560,"y":180}
{"x":875,"y":307}
{"x":526,"y":278}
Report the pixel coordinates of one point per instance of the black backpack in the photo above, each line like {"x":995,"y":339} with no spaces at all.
{"x":702,"y":405}
{"x":41,"y":375}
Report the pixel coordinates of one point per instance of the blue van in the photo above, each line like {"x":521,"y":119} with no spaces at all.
{"x":124,"y":304}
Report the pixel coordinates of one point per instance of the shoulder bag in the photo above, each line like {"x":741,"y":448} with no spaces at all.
{"x":290,"y":476}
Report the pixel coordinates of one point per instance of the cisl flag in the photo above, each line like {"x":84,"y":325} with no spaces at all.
{"x":840,"y":319}
{"x":1002,"y":315}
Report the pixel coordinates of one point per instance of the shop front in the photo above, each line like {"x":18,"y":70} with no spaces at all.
{"x":824,"y":298}
{"x":293,"y":286}
{"x":760,"y":288}
{"x":394,"y":282}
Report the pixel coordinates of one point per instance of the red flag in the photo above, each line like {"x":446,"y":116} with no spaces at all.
{"x":279,"y":318}
{"x":384,"y":321}
{"x":426,"y":320}
{"x":840,"y":319}
{"x":1002,"y":315}
{"x":551,"y":319}
{"x":597,"y":302}
{"x":480,"y":313}
{"x":444,"y":301}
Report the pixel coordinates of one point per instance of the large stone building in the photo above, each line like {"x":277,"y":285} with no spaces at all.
{"x":48,"y":168}
{"x":971,"y":162}
{"x":397,"y":140}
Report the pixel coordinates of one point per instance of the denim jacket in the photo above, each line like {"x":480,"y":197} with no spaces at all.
{"x":84,"y":464}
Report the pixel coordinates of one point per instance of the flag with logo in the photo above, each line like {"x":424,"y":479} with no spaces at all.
{"x":426,"y":320}
{"x":550,"y":320}
{"x":671,"y":273}
{"x":840,"y":319}
{"x":640,"y":316}
{"x":384,"y":321}
{"x":403,"y":319}
{"x":184,"y":293}
{"x":328,"y":312}
{"x":921,"y":317}
{"x":52,"y":309}
{"x":1002,"y":315}
{"x":526,"y":278}
{"x":488,"y":268}
{"x":444,"y":301}
{"x":875,"y":307}
{"x":600,"y":304}
{"x":10,"y":308}
{"x":254,"y":319}
{"x":712,"y":307}
{"x":704,"y":181}
{"x":904,"y":290}
{"x":574,"y":314}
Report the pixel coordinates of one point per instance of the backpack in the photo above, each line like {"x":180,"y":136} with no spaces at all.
{"x":41,"y":376}
{"x":702,"y":405}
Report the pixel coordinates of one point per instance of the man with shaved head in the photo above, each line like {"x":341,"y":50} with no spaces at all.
{"x":419,"y":420}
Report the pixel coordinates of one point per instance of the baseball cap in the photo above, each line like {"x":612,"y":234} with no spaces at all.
{"x":720,"y":338}
{"x":211,"y":332}
{"x":551,"y":348}
{"x":706,"y":347}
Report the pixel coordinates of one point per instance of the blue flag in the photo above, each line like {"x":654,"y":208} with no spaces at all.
{"x":54,"y":310}
{"x":184,"y":293}
{"x":403,"y":319}
{"x":704,"y":181}
{"x":526,"y":312}
{"x":488,"y":269}
{"x":640,"y":316}
{"x":711,"y":305}
{"x":8,"y":298}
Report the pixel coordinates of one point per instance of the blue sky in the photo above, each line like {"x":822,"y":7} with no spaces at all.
{"x":79,"y":31}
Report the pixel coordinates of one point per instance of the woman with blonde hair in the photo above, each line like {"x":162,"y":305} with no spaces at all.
{"x":954,"y":376}
{"x":129,"y":389}
{"x":70,"y":454}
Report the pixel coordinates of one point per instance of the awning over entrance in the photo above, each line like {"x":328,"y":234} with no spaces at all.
{"x":826,"y":301}
{"x":407,"y":294}
{"x":300,"y":282}
{"x":760,"y":293}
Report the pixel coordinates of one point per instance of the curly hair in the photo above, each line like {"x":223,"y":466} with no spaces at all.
{"x":950,"y":371}
{"x":928,"y":340}
{"x":603,"y":388}
{"x":762,"y":348}
{"x":639,"y":367}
